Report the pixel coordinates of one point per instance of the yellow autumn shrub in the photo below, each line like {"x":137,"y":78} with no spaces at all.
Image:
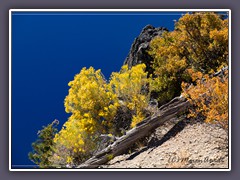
{"x":209,"y":98}
{"x":92,"y":107}
{"x":199,"y":41}
{"x":93,"y":104}
{"x":132,"y":88}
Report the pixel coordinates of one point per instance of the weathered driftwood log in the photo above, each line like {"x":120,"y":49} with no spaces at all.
{"x":142,"y":129}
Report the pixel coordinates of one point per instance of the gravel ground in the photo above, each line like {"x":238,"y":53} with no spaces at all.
{"x":197,"y":145}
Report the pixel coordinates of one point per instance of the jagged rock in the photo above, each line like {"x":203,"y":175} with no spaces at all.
{"x":138,"y":52}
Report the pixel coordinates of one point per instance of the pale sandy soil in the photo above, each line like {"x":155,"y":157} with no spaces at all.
{"x":198,"y":145}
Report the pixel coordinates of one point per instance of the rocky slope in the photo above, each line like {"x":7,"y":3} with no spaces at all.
{"x":195,"y":145}
{"x":184,"y":145}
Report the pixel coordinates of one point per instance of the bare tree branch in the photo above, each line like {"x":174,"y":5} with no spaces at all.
{"x":142,"y":129}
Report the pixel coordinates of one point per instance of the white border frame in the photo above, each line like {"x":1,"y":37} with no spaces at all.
{"x":114,"y":10}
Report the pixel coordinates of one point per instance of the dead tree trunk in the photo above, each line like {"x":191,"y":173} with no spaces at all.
{"x":166,"y":112}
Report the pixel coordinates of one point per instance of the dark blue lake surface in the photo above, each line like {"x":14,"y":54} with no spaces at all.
{"x":48,"y":49}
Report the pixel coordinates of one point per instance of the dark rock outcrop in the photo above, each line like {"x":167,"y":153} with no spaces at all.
{"x":138,"y":52}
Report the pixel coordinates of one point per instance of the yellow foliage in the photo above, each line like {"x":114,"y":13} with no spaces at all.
{"x":204,"y":36}
{"x":93,"y":103}
{"x":198,"y":46}
{"x":92,"y":106}
{"x":209,"y":98}
{"x":199,"y":42}
{"x":132,"y":88}
{"x":69,"y":159}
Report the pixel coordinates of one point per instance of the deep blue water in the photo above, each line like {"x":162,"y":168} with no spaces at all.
{"x":48,"y":49}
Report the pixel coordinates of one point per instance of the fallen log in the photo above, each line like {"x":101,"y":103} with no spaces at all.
{"x":142,"y":129}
